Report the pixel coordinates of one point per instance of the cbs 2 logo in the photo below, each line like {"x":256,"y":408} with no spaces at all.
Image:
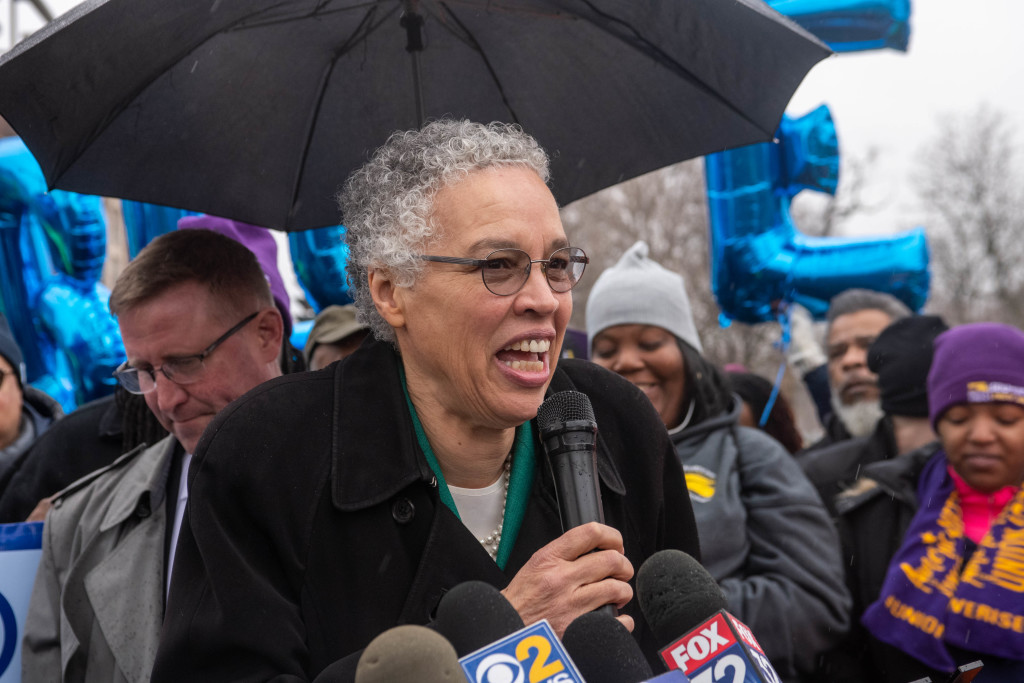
{"x":533,"y":650}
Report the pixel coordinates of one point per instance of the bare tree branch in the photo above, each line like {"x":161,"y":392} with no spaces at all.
{"x":969,"y":183}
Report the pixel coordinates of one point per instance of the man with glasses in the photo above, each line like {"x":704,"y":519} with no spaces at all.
{"x":25,"y":412}
{"x":200,"y":328}
{"x":97,"y":433}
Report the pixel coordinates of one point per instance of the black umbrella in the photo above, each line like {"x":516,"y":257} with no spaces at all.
{"x":258,"y":109}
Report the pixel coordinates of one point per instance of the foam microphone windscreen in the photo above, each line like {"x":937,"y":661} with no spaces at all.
{"x":604,"y":650}
{"x":474,"y":614}
{"x":409,"y":653}
{"x":564,"y":406}
{"x":676,"y":594}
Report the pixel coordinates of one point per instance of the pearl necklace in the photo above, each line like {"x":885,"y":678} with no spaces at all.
{"x":493,"y":539}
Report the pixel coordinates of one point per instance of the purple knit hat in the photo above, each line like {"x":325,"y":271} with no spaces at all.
{"x":976,"y":363}
{"x":260,"y":242}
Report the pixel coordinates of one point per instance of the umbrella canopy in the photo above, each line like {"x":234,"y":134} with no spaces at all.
{"x":257,"y":110}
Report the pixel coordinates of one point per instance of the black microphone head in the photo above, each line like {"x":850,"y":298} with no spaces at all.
{"x":564,"y":406}
{"x":474,"y":614}
{"x":409,"y":653}
{"x":604,"y":650}
{"x":676,"y":594}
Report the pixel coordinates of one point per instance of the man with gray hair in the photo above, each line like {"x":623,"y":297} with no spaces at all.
{"x":855,"y":318}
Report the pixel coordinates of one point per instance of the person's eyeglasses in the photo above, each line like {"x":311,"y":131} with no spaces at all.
{"x":505,"y":271}
{"x":183,"y":370}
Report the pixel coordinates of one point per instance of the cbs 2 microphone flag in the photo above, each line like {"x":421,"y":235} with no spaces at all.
{"x":20,"y":548}
{"x":533,"y":654}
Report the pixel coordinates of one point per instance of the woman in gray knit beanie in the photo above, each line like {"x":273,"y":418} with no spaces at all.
{"x":765,"y":535}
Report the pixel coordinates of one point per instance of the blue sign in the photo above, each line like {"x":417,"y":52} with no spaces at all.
{"x":20,"y":548}
{"x":530,"y":655}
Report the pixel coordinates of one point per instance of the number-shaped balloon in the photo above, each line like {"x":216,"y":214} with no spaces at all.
{"x":759,"y":259}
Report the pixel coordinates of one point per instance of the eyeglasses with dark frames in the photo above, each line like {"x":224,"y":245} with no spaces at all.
{"x":505,"y":271}
{"x":183,"y":370}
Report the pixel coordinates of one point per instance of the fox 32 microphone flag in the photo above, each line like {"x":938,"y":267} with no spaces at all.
{"x":530,"y":655}
{"x":720,"y":649}
{"x":20,"y":548}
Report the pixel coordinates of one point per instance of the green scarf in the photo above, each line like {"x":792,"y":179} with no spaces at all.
{"x":520,"y":477}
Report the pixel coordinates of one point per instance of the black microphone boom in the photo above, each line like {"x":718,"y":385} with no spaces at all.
{"x":568,"y":432}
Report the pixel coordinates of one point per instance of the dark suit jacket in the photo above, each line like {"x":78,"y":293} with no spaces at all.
{"x":315,"y":524}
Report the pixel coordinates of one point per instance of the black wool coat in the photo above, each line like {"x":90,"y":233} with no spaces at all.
{"x":314,"y":522}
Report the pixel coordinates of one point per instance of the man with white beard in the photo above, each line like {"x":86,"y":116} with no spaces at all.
{"x":855,"y":318}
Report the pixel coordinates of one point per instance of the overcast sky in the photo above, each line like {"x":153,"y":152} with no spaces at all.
{"x":961,"y":54}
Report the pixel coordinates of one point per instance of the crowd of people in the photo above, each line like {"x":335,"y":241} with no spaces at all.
{"x":228,"y":515}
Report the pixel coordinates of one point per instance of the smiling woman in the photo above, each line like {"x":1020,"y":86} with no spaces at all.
{"x":779,"y":567}
{"x":335,"y":505}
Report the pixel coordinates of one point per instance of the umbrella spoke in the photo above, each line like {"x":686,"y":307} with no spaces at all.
{"x":469,"y":39}
{"x":629,"y":34}
{"x":321,"y":10}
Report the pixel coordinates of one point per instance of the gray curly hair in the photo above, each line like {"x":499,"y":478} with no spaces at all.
{"x":387,"y":204}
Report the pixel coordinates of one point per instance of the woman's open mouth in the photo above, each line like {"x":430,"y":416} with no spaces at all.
{"x":526,"y":355}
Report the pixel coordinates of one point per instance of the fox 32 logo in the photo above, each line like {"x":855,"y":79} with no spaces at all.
{"x":531,"y":655}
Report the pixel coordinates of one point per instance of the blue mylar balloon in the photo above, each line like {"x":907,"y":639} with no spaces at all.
{"x":54,"y":244}
{"x":760,"y":260}
{"x":852,"y":25}
{"x":144,"y":222}
{"x":13,"y":269}
{"x":319,"y":258}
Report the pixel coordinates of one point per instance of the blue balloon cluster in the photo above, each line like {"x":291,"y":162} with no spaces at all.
{"x":760,"y":260}
{"x":53,"y":246}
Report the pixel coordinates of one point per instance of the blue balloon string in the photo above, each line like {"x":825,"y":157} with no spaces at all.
{"x":783,"y":345}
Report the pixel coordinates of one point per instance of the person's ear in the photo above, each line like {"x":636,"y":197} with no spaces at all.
{"x":270,"y":332}
{"x":388,"y":297}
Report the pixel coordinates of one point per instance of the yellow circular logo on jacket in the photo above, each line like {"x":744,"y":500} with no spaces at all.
{"x":700,"y":482}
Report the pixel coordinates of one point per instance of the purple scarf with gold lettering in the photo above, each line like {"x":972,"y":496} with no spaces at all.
{"x":927,"y":602}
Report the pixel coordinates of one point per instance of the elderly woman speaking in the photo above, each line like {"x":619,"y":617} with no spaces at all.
{"x":328,"y":507}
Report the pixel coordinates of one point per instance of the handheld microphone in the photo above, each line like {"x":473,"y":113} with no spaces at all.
{"x":473,"y":614}
{"x":604,"y":650}
{"x":686,"y":611}
{"x":409,"y":653}
{"x":568,"y":432}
